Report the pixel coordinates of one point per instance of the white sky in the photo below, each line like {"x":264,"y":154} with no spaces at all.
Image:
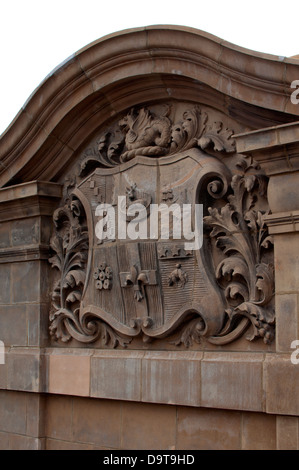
{"x":36,"y":36}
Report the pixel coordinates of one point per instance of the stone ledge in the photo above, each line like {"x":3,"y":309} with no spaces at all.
{"x":281,"y":379}
{"x":261,"y":139}
{"x":33,"y":188}
{"x":24,"y":370}
{"x":226,"y":380}
{"x":232,"y":381}
{"x":24,"y":253}
{"x":28,"y":200}
{"x":236,"y":381}
{"x":283,"y":222}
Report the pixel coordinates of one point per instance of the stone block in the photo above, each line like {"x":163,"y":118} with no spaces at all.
{"x":3,"y":374}
{"x":232,"y":381}
{"x":35,"y":410}
{"x":38,"y":324}
{"x":258,"y":431}
{"x":58,"y":417}
{"x":13,"y":412}
{"x":46,"y":229}
{"x":4,"y":441}
{"x":54,"y":444}
{"x":287,"y":432}
{"x":24,"y":368}
{"x":69,"y":374}
{"x":171,"y":377}
{"x":97,"y":422}
{"x":287,"y":321}
{"x":281,"y":379}
{"x":208,"y":429}
{"x":17,"y":442}
{"x":13,"y":325}
{"x":286,"y":258}
{"x":45,"y":286}
{"x":5,"y":230}
{"x":25,"y":282}
{"x":5,"y":284}
{"x":116,"y":375}
{"x":25,"y":231}
{"x":286,"y":198}
{"x":148,"y":426}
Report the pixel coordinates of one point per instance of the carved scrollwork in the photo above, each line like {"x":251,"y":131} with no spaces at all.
{"x":112,"y":293}
{"x":70,"y":246}
{"x":245,"y":273}
{"x":191,"y":333}
{"x":141,"y":132}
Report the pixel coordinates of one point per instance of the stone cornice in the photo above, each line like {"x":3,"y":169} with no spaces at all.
{"x":28,"y":200}
{"x":268,"y":138}
{"x":275,"y":148}
{"x":24,"y":253}
{"x":122,"y":69}
{"x":283,"y":222}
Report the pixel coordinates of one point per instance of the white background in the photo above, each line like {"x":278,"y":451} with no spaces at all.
{"x":36,"y":36}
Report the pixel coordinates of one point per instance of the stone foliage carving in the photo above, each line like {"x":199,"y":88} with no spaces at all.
{"x":140,"y":132}
{"x":70,"y":247}
{"x":239,"y":231}
{"x":113,"y":291}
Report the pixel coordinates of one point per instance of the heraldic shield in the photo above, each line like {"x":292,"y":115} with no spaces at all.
{"x":162,"y":235}
{"x":150,"y":285}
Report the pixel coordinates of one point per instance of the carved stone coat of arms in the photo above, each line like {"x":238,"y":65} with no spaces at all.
{"x":145,"y":280}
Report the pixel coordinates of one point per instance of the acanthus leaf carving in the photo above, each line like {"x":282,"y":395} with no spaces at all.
{"x":70,"y":244}
{"x":191,"y":333}
{"x":218,"y":137}
{"x":142,"y":132}
{"x":240,"y":233}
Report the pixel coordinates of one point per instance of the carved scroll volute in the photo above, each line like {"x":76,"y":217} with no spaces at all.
{"x":245,"y":272}
{"x":213,"y":180}
{"x":69,"y":244}
{"x":71,"y":260}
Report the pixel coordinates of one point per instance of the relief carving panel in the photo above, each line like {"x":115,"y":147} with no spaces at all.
{"x":114,"y":289}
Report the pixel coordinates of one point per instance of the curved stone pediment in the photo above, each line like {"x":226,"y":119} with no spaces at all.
{"x":140,"y":66}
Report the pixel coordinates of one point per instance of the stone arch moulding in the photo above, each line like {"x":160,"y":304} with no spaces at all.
{"x":114,"y":73}
{"x":173,"y":106}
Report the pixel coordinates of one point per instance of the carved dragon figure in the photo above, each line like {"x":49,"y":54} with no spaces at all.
{"x":145,"y":134}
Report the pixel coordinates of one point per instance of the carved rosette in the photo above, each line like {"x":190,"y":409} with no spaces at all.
{"x":112,"y":294}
